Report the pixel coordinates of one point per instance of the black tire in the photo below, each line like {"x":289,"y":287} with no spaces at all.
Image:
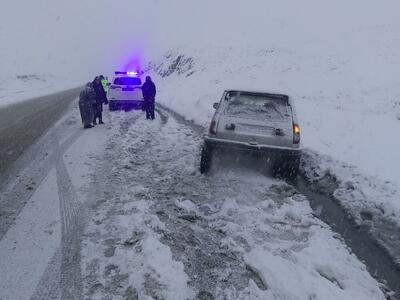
{"x":206,"y":158}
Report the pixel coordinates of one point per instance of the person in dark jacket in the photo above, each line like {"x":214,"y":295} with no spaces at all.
{"x":101,"y":98}
{"x":149,"y":96}
{"x":87,"y":99}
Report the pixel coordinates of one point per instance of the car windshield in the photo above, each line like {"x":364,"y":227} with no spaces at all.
{"x":127,"y":81}
{"x":253,"y":106}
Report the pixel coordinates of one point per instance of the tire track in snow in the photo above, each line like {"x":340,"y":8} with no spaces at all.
{"x":14,"y":196}
{"x":49,"y":285}
{"x":63,"y":274}
{"x":71,"y":231}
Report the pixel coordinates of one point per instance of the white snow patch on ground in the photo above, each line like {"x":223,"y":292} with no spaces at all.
{"x":145,"y":264}
{"x":187,"y":206}
{"x":296,"y":255}
{"x":79,"y":157}
{"x":357,"y":192}
{"x":28,"y":246}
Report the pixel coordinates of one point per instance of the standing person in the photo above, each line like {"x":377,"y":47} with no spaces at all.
{"x":87,"y":99}
{"x":149,"y":96}
{"x":101,"y":98}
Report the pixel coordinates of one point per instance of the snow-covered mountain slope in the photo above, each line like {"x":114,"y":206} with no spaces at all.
{"x":345,"y":114}
{"x":82,"y":38}
{"x":353,"y":119}
{"x":21,"y":87}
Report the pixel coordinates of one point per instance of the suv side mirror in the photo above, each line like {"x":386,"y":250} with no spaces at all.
{"x":216,"y":105}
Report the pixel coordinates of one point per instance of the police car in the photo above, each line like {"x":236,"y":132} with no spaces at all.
{"x":125,"y":91}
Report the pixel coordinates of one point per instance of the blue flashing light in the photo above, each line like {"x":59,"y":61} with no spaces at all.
{"x":132,"y":73}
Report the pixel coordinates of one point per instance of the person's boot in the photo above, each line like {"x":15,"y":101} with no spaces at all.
{"x":101,"y":121}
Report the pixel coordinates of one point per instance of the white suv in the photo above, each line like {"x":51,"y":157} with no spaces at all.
{"x":125,"y":91}
{"x":255,"y":122}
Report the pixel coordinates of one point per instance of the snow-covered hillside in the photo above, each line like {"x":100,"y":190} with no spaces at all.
{"x":353,"y":119}
{"x":349,"y":120}
{"x":21,"y":87}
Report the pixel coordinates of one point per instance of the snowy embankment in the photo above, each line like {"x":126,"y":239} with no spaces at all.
{"x":18,"y":88}
{"x":346,"y":112}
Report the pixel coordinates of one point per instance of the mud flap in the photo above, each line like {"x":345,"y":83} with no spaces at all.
{"x":287,"y":168}
{"x":206,"y":158}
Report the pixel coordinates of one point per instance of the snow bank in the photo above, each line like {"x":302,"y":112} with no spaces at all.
{"x":295,"y":255}
{"x":359,"y":194}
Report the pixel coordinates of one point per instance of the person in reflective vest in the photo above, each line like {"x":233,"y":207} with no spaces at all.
{"x":104,"y":83}
{"x":101,"y":98}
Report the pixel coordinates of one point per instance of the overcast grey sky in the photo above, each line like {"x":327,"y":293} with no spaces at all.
{"x":81,"y":38}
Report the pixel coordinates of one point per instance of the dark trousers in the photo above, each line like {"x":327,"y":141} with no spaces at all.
{"x":149,"y":105}
{"x":86,"y":111}
{"x":98,"y":112}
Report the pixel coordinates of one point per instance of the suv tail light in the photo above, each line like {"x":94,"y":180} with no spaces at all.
{"x":213,"y":127}
{"x":296,"y":134}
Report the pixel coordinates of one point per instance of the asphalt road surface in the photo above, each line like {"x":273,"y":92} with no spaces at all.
{"x":23,"y":123}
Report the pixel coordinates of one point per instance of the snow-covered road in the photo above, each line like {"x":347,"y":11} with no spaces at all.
{"x":121,"y":212}
{"x":161,"y":230}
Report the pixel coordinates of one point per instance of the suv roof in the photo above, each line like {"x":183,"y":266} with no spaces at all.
{"x":270,"y":95}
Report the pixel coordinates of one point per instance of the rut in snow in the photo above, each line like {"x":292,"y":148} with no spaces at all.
{"x":62,"y":277}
